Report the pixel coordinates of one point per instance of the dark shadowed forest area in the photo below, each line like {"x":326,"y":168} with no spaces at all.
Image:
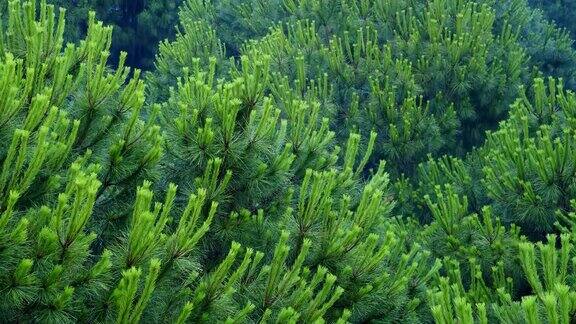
{"x":288,"y":161}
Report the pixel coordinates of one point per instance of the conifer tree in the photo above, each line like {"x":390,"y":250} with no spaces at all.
{"x":288,"y":172}
{"x":520,"y":189}
{"x":529,"y":166}
{"x":372,"y":84}
{"x":63,"y":103}
{"x":523,"y":171}
{"x":76,"y":249}
{"x":547,"y":268}
{"x":256,"y":163}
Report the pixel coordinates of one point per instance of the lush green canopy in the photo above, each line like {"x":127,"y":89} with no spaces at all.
{"x":295,"y":161}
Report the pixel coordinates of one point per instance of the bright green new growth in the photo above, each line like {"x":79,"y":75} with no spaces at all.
{"x":244,"y":181}
{"x":74,"y":248}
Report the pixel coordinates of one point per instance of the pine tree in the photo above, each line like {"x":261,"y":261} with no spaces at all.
{"x":523,"y":174}
{"x":528,"y":171}
{"x":76,"y":249}
{"x":523,"y":171}
{"x":291,"y":172}
{"x":377,"y":79}
{"x":547,"y":267}
{"x":64,"y":104}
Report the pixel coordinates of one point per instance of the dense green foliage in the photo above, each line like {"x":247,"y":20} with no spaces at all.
{"x":417,"y":72}
{"x":559,"y":11}
{"x":296,"y":161}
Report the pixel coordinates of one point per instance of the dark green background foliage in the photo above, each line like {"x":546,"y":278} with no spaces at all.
{"x":294,"y":161}
{"x":138,"y":25}
{"x":559,"y":11}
